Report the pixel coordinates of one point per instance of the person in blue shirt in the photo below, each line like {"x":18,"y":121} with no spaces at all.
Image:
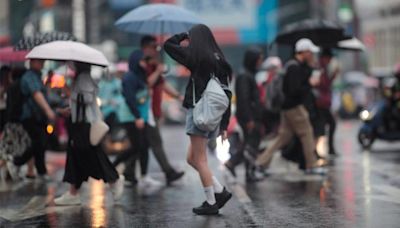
{"x":36,"y":113}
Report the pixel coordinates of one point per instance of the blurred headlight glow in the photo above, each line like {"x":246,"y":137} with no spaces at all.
{"x":222,"y":150}
{"x":365,"y":115}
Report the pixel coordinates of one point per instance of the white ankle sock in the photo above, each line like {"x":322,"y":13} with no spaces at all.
{"x":210,"y":197}
{"x":218,"y":188}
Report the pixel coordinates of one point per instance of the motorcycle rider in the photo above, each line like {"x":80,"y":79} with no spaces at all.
{"x":392,"y":95}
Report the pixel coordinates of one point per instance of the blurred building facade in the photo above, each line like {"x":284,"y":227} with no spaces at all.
{"x":380,"y":28}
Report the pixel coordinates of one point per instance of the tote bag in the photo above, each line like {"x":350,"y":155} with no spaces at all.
{"x":208,"y":111}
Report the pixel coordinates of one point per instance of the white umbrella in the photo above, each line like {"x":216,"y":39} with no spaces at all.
{"x":353,"y":44}
{"x":68,"y":51}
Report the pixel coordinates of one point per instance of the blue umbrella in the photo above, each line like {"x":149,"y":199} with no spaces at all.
{"x":157,"y":19}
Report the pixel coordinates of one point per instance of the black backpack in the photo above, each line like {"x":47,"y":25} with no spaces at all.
{"x":15,"y":102}
{"x":274,"y":94}
{"x":274,"y":91}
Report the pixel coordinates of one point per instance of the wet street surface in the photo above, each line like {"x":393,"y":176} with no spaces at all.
{"x":362,"y":189}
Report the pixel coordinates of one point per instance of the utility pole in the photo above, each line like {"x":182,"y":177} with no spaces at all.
{"x":79,"y":20}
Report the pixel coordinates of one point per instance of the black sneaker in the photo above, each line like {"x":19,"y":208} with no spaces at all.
{"x":173,"y":176}
{"x":222,"y":198}
{"x":206,"y":209}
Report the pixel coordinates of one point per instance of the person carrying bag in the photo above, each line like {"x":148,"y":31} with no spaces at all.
{"x":207,"y":104}
{"x":208,"y":111}
{"x":84,"y":158}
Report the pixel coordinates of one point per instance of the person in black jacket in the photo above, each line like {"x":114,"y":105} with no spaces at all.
{"x":203,"y":58}
{"x":248,"y":110}
{"x":295,"y":118}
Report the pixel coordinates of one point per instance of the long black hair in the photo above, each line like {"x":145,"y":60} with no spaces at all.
{"x":203,"y":46}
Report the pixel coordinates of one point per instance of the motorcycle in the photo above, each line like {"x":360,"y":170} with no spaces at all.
{"x":376,"y":126}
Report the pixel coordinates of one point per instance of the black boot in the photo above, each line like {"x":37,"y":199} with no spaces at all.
{"x":222,"y":198}
{"x":206,"y":209}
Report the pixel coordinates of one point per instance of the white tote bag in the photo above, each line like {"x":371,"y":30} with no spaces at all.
{"x":208,"y":111}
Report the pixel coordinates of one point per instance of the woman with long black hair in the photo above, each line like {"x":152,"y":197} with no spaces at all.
{"x":203,"y":58}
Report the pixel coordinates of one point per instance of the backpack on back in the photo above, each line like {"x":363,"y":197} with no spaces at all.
{"x":274,"y":91}
{"x":274,"y":94}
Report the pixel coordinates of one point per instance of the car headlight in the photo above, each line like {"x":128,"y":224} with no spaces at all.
{"x":365,"y":115}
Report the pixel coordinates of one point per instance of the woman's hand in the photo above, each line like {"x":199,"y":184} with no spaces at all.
{"x":65,"y":112}
{"x":139,"y":123}
{"x":250,"y":125}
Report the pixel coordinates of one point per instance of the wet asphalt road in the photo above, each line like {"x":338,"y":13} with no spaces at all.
{"x":362,"y":189}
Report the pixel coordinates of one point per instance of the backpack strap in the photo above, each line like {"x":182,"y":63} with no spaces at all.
{"x":194,"y":92}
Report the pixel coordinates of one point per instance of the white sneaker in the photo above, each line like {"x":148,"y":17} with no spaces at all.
{"x":148,"y":186}
{"x":152,"y":182}
{"x":13,"y":170}
{"x":117,"y":188}
{"x":44,"y":178}
{"x":67,"y":199}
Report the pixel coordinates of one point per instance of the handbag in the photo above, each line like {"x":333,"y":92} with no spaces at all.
{"x":208,"y":111}
{"x":98,"y":130}
{"x":79,"y":132}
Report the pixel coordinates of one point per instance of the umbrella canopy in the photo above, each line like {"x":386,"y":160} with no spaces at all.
{"x":28,"y":43}
{"x":8,"y":54}
{"x":68,"y":50}
{"x":352,"y":44}
{"x":157,"y":19}
{"x":321,"y":32}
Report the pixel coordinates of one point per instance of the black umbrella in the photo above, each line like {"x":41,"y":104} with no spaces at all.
{"x":321,"y":32}
{"x":28,"y":43}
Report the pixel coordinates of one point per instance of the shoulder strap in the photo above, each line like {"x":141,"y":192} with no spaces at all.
{"x":194,"y":92}
{"x":80,"y":109}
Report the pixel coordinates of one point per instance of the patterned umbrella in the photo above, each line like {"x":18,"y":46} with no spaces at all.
{"x":28,"y":43}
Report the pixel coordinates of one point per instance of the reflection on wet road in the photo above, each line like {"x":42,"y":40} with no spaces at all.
{"x":362,"y":189}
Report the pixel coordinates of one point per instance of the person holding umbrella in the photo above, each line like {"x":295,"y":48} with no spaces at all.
{"x":85,"y":160}
{"x":157,"y":84}
{"x":324,"y":97}
{"x":295,"y":118}
{"x":202,"y":57}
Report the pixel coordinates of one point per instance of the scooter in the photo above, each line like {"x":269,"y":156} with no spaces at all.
{"x":374,"y":126}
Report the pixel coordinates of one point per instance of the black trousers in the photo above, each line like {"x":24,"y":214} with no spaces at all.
{"x":3,"y":115}
{"x":156,"y":144}
{"x":138,"y":150}
{"x":39,"y":137}
{"x":251,"y":140}
{"x":328,"y":120}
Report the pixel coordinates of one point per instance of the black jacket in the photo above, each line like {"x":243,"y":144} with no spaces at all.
{"x":200,"y":73}
{"x":296,"y":85}
{"x":248,"y":106}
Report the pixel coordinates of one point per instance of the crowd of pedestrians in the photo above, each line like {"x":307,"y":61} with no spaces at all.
{"x":290,"y":102}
